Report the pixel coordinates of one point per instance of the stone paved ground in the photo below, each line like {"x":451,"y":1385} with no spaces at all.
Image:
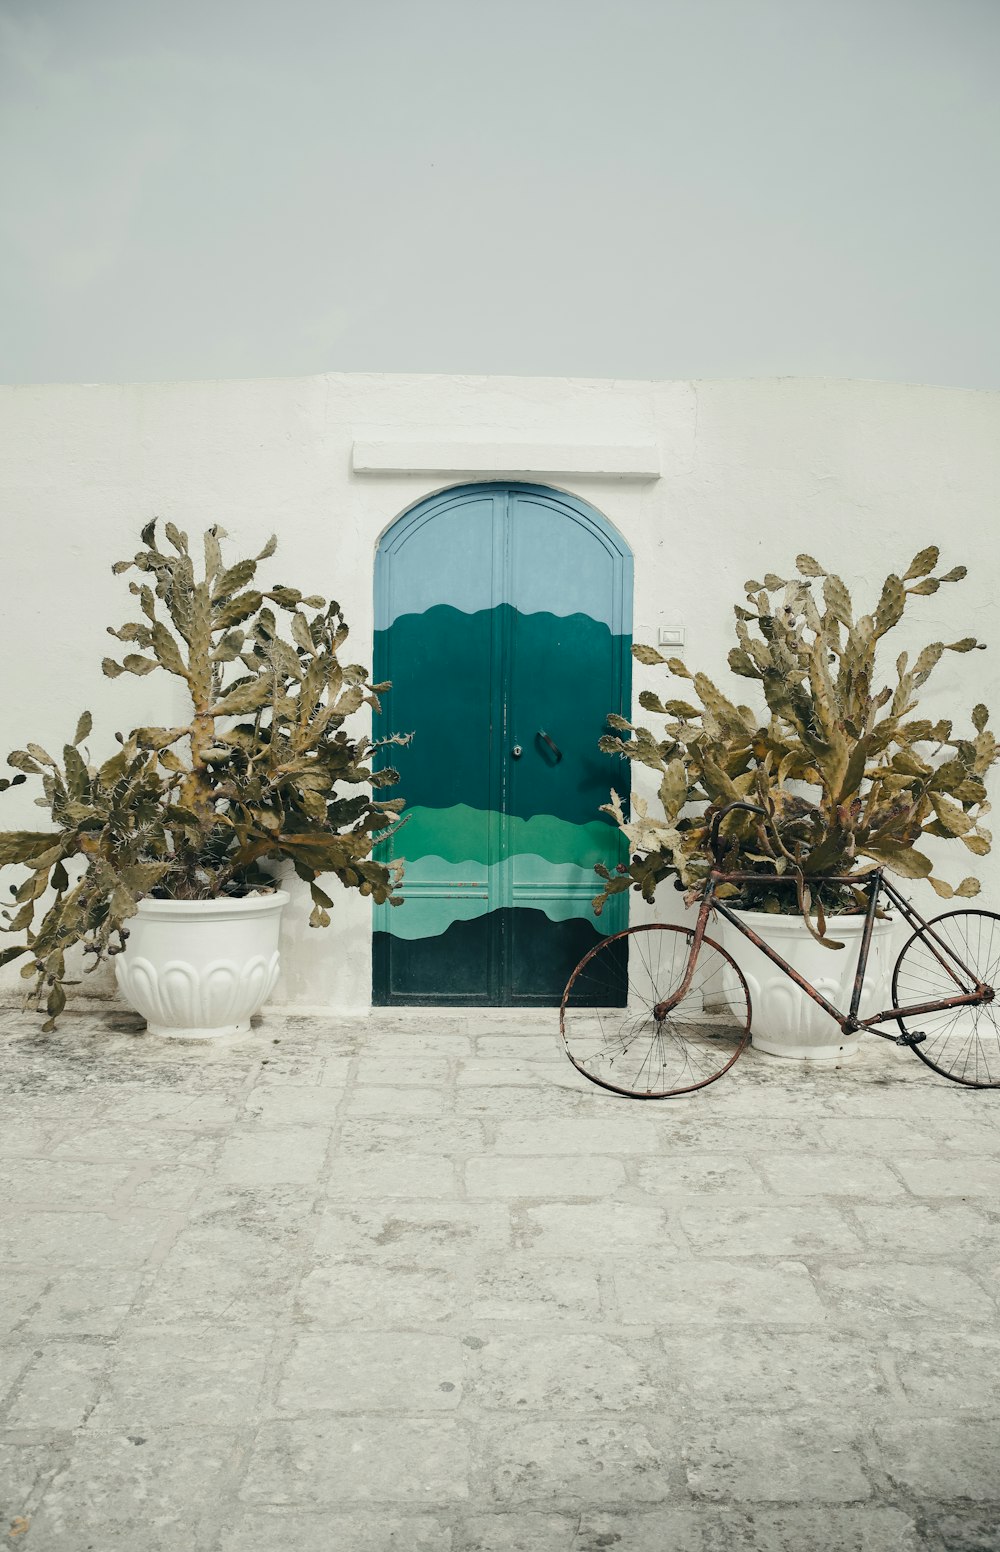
{"x":413,"y":1283}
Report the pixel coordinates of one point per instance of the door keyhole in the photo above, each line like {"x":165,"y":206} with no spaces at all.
{"x":517,"y":751}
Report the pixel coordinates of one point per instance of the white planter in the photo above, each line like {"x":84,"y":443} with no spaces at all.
{"x":198,"y":969}
{"x":785,"y":1021}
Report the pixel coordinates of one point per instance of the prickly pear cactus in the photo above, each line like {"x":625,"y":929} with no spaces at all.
{"x":255,"y":775}
{"x":850,"y":775}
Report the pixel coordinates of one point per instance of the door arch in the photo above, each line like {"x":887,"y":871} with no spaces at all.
{"x":503,"y":621}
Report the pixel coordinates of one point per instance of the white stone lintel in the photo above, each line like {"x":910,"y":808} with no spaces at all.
{"x":612,"y":461}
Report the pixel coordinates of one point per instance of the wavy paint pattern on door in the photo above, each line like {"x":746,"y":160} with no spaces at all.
{"x":503,"y":620}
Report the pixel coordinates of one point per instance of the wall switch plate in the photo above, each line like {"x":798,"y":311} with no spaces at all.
{"x":671,"y":636}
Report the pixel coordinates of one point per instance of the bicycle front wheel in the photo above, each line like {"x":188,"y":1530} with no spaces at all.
{"x":961,"y":1043}
{"x":608,"y":1024}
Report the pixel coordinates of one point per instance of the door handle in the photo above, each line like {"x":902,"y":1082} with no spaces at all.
{"x":552,"y":745}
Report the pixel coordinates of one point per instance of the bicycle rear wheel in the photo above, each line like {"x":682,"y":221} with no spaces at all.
{"x":609,"y":1028}
{"x":961,"y":1043}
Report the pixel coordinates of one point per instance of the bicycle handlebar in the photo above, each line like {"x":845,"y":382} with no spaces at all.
{"x":713,"y":834}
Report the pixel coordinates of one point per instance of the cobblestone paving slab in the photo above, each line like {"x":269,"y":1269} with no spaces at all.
{"x":117,"y":1493}
{"x":410,"y":1282}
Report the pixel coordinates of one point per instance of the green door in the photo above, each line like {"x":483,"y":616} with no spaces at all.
{"x":503,"y":620}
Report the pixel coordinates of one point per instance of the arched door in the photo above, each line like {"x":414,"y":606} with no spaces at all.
{"x":503,"y":620}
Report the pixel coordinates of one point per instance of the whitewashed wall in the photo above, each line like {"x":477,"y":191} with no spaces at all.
{"x":860,"y":474}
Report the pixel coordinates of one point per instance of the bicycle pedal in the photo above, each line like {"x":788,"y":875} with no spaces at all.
{"x":915,"y":1039}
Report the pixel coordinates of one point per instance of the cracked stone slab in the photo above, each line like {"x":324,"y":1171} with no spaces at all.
{"x":929,"y":1176}
{"x":172,"y":1188}
{"x":517,"y":1532}
{"x":872,"y":1137}
{"x":966,"y":1529}
{"x":773,"y":1371}
{"x":331,"y":1459}
{"x":391,"y":1102}
{"x":558,"y":1462}
{"x":119,"y":1492}
{"x":788,"y":1458}
{"x":371,"y":1371}
{"x":709,"y":1132}
{"x":623,"y":1134}
{"x":137,"y":1143}
{"x":556,"y":1372}
{"x":673,"y":1292}
{"x":976,"y":1132}
{"x":514,"y":1176}
{"x":363,"y":1293}
{"x":336,"y":1072}
{"x":828,"y":1174}
{"x":283,"y":1156}
{"x":287,"y":1105}
{"x":25,"y":1470}
{"x":15,"y":1358}
{"x":19,"y":1292}
{"x":699,"y":1174}
{"x":749,"y":1090}
{"x":434,"y":1039}
{"x":413,"y":1070}
{"x":942,"y":1459}
{"x":482,"y":1071}
{"x":413,"y":1233}
{"x":522,"y":1286}
{"x":899,"y":1291}
{"x":179,"y":1375}
{"x":361,"y":1176}
{"x":83,"y":1304}
{"x":607,"y":1226}
{"x":130,"y":1104}
{"x":765,"y":1530}
{"x":220,"y":1273}
{"x":416,"y":1135}
{"x":297,"y":1069}
{"x":952,"y":1229}
{"x":949,"y":1372}
{"x":541,"y":1047}
{"x":786,"y":1230}
{"x":301,"y":1531}
{"x":79,"y":1239}
{"x":59,"y":1387}
{"x":511,"y":1102}
{"x":920,"y":1094}
{"x":28,"y":1137}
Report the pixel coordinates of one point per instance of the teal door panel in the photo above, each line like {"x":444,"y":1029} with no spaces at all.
{"x":502,"y":615}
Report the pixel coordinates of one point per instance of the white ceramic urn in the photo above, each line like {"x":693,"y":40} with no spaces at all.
{"x":199,"y":969}
{"x":785,"y":1021}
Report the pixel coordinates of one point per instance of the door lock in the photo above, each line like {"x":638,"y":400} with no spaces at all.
{"x":517,"y":751}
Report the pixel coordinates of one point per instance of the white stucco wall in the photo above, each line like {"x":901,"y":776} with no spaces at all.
{"x":750,"y":472}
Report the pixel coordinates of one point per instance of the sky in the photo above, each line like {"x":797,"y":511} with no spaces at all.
{"x":602,"y":188}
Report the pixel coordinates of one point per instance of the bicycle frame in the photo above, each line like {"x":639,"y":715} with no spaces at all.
{"x":876,"y":885}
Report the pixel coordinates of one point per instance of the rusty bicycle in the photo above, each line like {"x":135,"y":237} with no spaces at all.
{"x":660,"y":1010}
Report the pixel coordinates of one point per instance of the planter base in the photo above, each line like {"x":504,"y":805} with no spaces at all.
{"x":170,"y":1033}
{"x":831,"y":1055}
